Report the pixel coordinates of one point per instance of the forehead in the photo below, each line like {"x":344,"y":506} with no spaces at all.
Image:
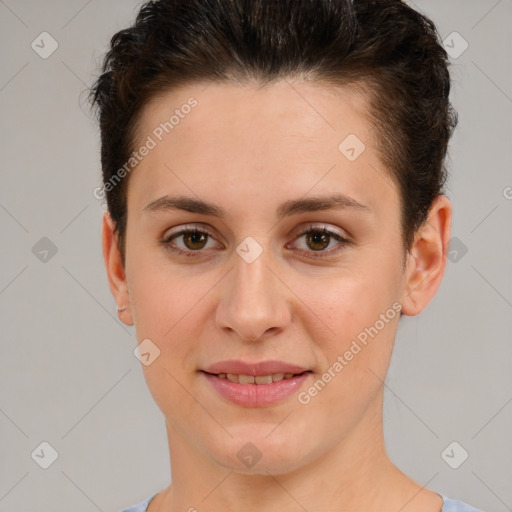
{"x":287,"y":135}
{"x":274,"y":111}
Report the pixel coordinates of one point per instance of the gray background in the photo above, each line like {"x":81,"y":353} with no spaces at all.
{"x":68,"y":375}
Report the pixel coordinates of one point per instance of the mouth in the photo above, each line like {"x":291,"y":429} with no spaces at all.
{"x":260,"y":384}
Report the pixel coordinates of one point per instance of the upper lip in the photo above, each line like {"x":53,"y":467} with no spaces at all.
{"x":239,"y":367}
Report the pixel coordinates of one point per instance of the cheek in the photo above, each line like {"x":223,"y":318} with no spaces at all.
{"x":169,"y":310}
{"x":345,"y":304}
{"x":164,"y":297}
{"x":353,"y":321}
{"x":354,"y":346}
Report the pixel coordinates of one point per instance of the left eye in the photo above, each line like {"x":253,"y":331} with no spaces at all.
{"x":318,"y":239}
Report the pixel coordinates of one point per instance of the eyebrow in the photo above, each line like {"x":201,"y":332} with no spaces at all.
{"x":288,"y":208}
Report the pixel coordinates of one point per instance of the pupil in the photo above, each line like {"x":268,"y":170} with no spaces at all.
{"x":319,"y":238}
{"x":195,"y":238}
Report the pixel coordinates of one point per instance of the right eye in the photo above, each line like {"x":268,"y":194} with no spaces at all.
{"x":193,"y":241}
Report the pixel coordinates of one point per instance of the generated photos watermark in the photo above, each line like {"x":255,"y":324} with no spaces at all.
{"x":305,"y":397}
{"x":151,"y":142}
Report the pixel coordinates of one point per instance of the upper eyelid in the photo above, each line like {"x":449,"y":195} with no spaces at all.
{"x":186,"y":227}
{"x":311,"y":226}
{"x":203,"y":227}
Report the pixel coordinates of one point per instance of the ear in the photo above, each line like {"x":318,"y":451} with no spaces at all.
{"x":426,"y":261}
{"x":115,"y":270}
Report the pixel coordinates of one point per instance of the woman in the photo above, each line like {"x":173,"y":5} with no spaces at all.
{"x":274,"y":173}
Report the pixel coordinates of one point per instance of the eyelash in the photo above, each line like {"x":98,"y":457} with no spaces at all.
{"x":311,"y":229}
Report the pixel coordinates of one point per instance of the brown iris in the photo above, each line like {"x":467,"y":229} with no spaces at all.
{"x":195,"y":240}
{"x":319,"y":238}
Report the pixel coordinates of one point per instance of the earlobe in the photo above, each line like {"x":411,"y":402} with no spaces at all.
{"x":427,"y":258}
{"x":115,"y":270}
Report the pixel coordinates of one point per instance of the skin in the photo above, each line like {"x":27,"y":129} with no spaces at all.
{"x":247,"y":150}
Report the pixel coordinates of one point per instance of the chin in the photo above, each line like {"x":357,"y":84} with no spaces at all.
{"x":253,"y":452}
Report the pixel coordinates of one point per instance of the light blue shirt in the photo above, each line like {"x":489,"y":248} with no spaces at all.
{"x":449,"y":505}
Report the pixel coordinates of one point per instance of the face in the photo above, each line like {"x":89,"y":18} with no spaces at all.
{"x":269,"y":274}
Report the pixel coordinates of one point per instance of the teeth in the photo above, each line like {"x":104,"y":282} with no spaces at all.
{"x":260,"y":379}
{"x":245,"y":379}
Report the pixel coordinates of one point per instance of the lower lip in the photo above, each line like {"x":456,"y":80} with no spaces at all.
{"x":257,"y":395}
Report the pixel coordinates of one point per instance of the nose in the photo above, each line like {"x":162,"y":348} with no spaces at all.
{"x":254,"y":303}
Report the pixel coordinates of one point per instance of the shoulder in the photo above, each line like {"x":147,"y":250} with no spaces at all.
{"x":139,"y":507}
{"x":451,"y":505}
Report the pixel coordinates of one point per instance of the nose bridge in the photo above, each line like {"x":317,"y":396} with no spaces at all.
{"x":253,"y":301}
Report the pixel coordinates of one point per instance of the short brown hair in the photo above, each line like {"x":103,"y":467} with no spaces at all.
{"x":384,"y":46}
